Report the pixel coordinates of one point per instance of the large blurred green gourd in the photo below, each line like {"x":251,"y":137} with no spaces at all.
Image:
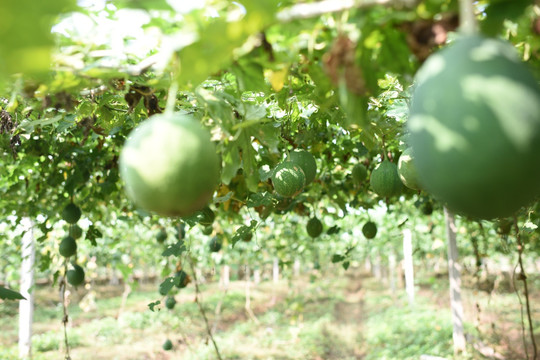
{"x":474,"y":128}
{"x":169,"y":165}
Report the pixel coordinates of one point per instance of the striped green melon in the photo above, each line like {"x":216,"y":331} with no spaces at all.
{"x":169,"y":165}
{"x":68,"y":246}
{"x":71,"y":213}
{"x":306,"y":161}
{"x":288,"y":179}
{"x":314,"y":227}
{"x":75,"y":276}
{"x":474,"y":128}
{"x":359,"y":173}
{"x":167,"y":345}
{"x":369,"y":230}
{"x":75,"y":231}
{"x":385,"y":180}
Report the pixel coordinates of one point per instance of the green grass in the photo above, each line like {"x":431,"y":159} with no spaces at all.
{"x":318,"y":317}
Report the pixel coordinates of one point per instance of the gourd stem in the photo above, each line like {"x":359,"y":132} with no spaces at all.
{"x":468,"y":23}
{"x":171,"y":97}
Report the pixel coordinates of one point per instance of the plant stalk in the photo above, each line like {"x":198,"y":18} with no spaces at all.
{"x":201,"y":309}
{"x":65,"y":318}
{"x":467,"y":18}
{"x":523,"y":278}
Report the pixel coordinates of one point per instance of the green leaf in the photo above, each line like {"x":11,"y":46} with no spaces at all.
{"x":252,"y":113}
{"x":250,"y":76}
{"x":143,"y":4}
{"x":26,"y":35}
{"x":152,"y":305}
{"x":125,"y":270}
{"x":260,"y":199}
{"x":269,"y":135}
{"x":232,"y":162}
{"x":398,"y":110}
{"x":333,"y":230}
{"x":7,"y":294}
{"x":223,"y":198}
{"x":166,"y":286}
{"x":249,"y":162}
{"x":218,"y":39}
{"x":216,"y":105}
{"x":45,"y":261}
{"x":243,"y":232}
{"x":337,"y":258}
{"x":92,"y":234}
{"x":175,"y":249}
{"x":354,"y":107}
{"x":500,"y":10}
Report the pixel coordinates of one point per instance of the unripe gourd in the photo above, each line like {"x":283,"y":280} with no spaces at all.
{"x":474,"y":127}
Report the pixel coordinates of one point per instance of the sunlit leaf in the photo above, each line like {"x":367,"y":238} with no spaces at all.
{"x":26,"y":35}
{"x":206,"y":56}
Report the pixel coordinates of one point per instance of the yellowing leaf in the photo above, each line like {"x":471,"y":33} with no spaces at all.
{"x":277,"y":78}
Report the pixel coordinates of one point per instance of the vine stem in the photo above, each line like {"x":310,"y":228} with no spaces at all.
{"x":523,"y":278}
{"x":171,"y":97}
{"x":65,"y":318}
{"x":201,"y":309}
{"x":468,"y":23}
{"x":318,"y":8}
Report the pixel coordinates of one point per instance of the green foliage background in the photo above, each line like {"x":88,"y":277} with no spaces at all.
{"x":263,"y":83}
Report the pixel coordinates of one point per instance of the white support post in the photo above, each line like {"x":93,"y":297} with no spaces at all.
{"x":275,"y":270}
{"x":408,"y":265}
{"x":225,"y":275}
{"x":454,"y":273}
{"x":377,"y":271}
{"x":296,"y":267}
{"x":257,"y":276}
{"x":248,"y":285}
{"x":392,"y":271}
{"x":367,"y":265}
{"x":26,"y":307}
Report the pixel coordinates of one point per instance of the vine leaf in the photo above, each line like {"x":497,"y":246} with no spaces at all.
{"x":175,"y":249}
{"x":166,"y":285}
{"x":7,"y":294}
{"x":92,"y":234}
{"x":243,"y":232}
{"x":249,"y":162}
{"x":195,"y":68}
{"x":260,"y":199}
{"x":232,"y":162}
{"x":152,"y":305}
